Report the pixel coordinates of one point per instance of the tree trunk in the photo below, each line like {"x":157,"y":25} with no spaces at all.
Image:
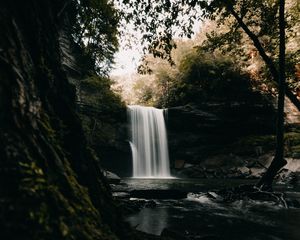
{"x":278,"y":161}
{"x":268,"y":61}
{"x":51,"y":186}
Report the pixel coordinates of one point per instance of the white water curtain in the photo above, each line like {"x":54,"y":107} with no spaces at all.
{"x":149,"y":143}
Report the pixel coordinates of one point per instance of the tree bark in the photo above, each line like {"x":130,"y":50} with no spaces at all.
{"x":268,"y":61}
{"x":51,"y":186}
{"x":278,"y":161}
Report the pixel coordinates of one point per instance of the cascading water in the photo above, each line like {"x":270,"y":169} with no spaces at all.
{"x":149,"y":143}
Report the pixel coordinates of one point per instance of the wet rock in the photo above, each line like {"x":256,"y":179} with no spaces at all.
{"x":284,"y":175}
{"x":294,"y":203}
{"x":215,"y":196}
{"x":197,"y":171}
{"x":188,"y":165}
{"x":195,"y":132}
{"x":128,"y":206}
{"x":265,"y":196}
{"x":150,"y":204}
{"x":121,"y":194}
{"x":256,"y":172}
{"x":179,"y":164}
{"x":112,"y":177}
{"x":250,"y":192}
{"x":295,"y":179}
{"x":244,"y":170}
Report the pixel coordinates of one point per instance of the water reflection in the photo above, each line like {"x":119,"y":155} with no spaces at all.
{"x":150,"y":221}
{"x":250,"y":220}
{"x":198,"y":216}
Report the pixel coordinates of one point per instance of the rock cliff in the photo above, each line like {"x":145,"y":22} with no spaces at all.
{"x":51,"y":186}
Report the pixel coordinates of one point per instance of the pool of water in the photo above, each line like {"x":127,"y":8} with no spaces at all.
{"x":186,"y":184}
{"x":199,"y":217}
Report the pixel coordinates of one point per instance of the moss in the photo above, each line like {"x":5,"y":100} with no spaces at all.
{"x":50,"y":186}
{"x":292,"y":138}
{"x":60,"y":208}
{"x":249,"y":145}
{"x":257,"y":144}
{"x":292,"y":143}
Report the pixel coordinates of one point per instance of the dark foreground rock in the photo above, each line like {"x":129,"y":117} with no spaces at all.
{"x":129,"y":206}
{"x":249,"y":192}
{"x":181,"y":235}
{"x":111,"y":177}
{"x":51,"y":186}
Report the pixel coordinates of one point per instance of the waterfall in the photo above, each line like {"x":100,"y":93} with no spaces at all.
{"x":149,"y":143}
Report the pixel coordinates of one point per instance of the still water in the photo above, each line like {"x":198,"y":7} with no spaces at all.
{"x":199,"y":217}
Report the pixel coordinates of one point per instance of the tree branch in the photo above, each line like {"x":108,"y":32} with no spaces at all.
{"x":269,"y":62}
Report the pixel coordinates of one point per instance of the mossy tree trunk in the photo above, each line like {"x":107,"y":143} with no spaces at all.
{"x":51,"y":186}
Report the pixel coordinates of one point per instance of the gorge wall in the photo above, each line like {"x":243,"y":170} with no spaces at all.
{"x":220,"y":131}
{"x":51,"y":185}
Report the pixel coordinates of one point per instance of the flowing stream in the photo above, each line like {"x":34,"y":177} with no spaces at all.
{"x":149,"y":144}
{"x":200,"y":217}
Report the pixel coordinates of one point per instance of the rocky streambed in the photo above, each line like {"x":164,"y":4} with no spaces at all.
{"x":209,"y":208}
{"x":236,"y":167}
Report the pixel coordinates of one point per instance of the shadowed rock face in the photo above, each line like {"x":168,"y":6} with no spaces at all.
{"x":113,"y":148}
{"x":51,"y":186}
{"x":196,"y":132}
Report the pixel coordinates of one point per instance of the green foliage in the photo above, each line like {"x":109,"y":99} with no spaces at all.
{"x":198,"y":77}
{"x":262,"y":19}
{"x":102,"y":111}
{"x":160,"y":20}
{"x":95,"y":24}
{"x":213,"y":77}
{"x":157,"y":21}
{"x":96,"y":91}
{"x":292,"y":142}
{"x":247,"y":145}
{"x":145,"y":93}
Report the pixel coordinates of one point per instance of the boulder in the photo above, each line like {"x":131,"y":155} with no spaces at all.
{"x":179,"y":164}
{"x":244,"y":171}
{"x":111,"y":177}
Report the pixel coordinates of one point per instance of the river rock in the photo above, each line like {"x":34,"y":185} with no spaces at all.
{"x":188,"y":165}
{"x":179,"y":164}
{"x":215,"y":196}
{"x":111,"y":177}
{"x":244,"y":170}
{"x":256,"y":172}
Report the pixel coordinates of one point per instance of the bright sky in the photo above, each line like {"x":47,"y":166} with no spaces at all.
{"x":127,"y":60}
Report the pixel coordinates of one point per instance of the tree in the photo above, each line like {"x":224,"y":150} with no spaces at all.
{"x":158,"y":19}
{"x":51,"y":186}
{"x":94,"y":29}
{"x":278,"y":161}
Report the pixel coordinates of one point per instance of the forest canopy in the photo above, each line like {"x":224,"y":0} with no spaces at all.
{"x":245,"y":31}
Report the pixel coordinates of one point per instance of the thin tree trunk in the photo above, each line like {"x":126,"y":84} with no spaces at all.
{"x":278,"y":161}
{"x":268,"y":61}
